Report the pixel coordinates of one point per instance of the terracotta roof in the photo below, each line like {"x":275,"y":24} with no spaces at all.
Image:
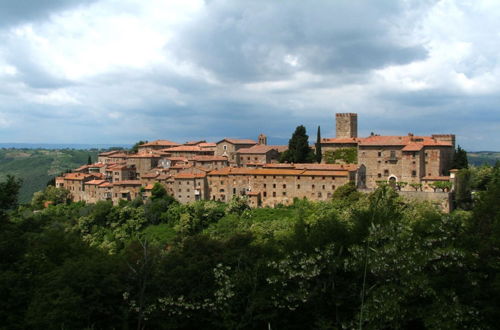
{"x":118,"y":155}
{"x":107,"y":153}
{"x":256,"y":149}
{"x":106,"y":184}
{"x":83,"y":167}
{"x":119,"y":167}
{"x":238,"y":141}
{"x":209,"y":158}
{"x":184,"y":149}
{"x":165,"y":143}
{"x":182,"y":159}
{"x":207,"y":145}
{"x":128,"y":183}
{"x":95,"y":182}
{"x":193,"y":143}
{"x":144,"y":155}
{"x":163,"y":177}
{"x":181,"y":166}
{"x":190,"y":175}
{"x":97,"y":165}
{"x":413,"y":147}
{"x":149,"y":186}
{"x":279,"y":165}
{"x":149,"y":175}
{"x":329,"y":167}
{"x":79,"y":176}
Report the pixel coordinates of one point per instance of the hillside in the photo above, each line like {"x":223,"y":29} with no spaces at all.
{"x":483,"y":157}
{"x":37,"y":166}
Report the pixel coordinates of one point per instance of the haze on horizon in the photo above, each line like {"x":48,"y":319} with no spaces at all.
{"x":118,"y":71}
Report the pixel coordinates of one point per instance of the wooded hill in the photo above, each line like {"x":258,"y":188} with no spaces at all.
{"x":37,"y":166}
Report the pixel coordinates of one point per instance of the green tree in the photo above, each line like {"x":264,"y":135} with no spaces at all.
{"x":89,"y":160}
{"x":298,"y":148}
{"x":9,"y":190}
{"x":460,"y":159}
{"x":135,"y":147}
{"x":318,"y":146}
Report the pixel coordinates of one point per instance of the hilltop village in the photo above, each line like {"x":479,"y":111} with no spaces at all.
{"x":200,"y":170}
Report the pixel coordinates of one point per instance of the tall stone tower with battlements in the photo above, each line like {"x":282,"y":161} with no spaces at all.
{"x":346,"y":125}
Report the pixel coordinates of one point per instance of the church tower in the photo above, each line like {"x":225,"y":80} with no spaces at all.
{"x":262,"y":140}
{"x":346,"y":125}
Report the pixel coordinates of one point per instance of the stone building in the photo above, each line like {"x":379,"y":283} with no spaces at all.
{"x":409,"y":158}
{"x":257,"y":154}
{"x":143,"y":162}
{"x":120,"y":172}
{"x":271,"y":187}
{"x":228,"y":148}
{"x":156,"y":145}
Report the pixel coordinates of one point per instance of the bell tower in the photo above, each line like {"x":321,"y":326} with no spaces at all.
{"x":262,"y":139}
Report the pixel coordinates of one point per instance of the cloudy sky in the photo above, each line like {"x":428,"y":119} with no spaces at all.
{"x":116,"y":71}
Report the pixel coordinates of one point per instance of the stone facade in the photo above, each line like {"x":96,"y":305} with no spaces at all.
{"x":346,"y":125}
{"x":229,"y":147}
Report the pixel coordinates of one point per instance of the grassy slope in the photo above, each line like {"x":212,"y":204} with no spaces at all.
{"x":37,"y":166}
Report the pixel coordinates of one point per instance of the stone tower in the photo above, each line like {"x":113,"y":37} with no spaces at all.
{"x":346,"y":125}
{"x":262,"y":139}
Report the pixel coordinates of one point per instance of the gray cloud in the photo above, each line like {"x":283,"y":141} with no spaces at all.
{"x":269,"y":40}
{"x":13,"y":12}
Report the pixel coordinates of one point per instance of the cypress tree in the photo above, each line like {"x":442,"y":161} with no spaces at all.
{"x":460,"y":159}
{"x":298,"y":147}
{"x":89,"y":160}
{"x":318,"y":146}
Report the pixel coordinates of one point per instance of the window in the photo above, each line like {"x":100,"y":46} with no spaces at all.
{"x":379,"y":175}
{"x":248,"y":158}
{"x":298,"y":186}
{"x":265,"y":185}
{"x":284,"y":186}
{"x":234,"y":190}
{"x":274,"y":193}
{"x":222,"y":182}
{"x":180,"y":190}
{"x":265,"y":193}
{"x":313,"y":186}
{"x":224,"y":147}
{"x":393,"y":154}
{"x":323,"y":187}
{"x":413,"y":173}
{"x":386,"y":172}
{"x":319,"y":194}
{"x":333,"y":187}
{"x":274,"y":185}
{"x":284,"y":193}
{"x":298,"y":178}
{"x":274,"y":176}
{"x":380,"y":154}
{"x":323,"y":178}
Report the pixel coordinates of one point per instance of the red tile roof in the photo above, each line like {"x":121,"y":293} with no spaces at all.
{"x":413,"y":147}
{"x":118,"y":155}
{"x":184,"y":149}
{"x":193,"y":143}
{"x":79,"y":176}
{"x":340,"y":140}
{"x":95,"y":182}
{"x":162,"y":143}
{"x":107,"y":153}
{"x":238,"y":141}
{"x":144,"y":155}
{"x":190,"y":175}
{"x":257,"y":149}
{"x":209,"y":158}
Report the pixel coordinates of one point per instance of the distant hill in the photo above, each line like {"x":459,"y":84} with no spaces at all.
{"x":37,"y":166}
{"x":483,"y":157}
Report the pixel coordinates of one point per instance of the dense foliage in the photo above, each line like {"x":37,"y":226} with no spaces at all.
{"x":370,"y":261}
